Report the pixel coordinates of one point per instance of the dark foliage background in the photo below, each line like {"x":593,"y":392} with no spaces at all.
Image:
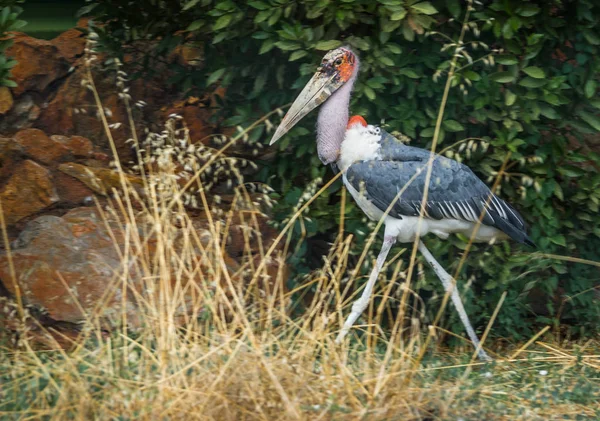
{"x":527,"y":84}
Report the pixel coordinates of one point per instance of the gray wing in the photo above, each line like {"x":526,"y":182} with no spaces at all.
{"x":455,"y":192}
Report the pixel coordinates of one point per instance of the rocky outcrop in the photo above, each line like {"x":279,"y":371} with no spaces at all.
{"x":39,"y":64}
{"x":73,"y":266}
{"x":28,"y":191}
{"x":31,"y":181}
{"x":54,"y":166}
{"x":39,"y":147}
{"x":50,"y":95}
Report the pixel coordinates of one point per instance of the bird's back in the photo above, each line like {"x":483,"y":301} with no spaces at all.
{"x":381,"y":170}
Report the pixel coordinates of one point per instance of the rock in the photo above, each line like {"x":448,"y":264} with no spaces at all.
{"x":28,"y":191}
{"x":196,"y":115}
{"x":40,"y":147}
{"x":6,"y":100}
{"x":72,"y":191}
{"x":11,"y":154}
{"x":79,"y":146}
{"x":22,"y":114}
{"x":100,"y":180}
{"x":70,"y":44}
{"x":42,"y":332}
{"x":74,"y":252}
{"x":40,"y":63}
{"x":71,"y":266}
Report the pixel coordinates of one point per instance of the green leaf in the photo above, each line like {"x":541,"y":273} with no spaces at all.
{"x":502,"y":77}
{"x":18,"y":24}
{"x":327,"y":45}
{"x":266,"y":46}
{"x":260,"y":35}
{"x":4,"y":15}
{"x":559,"y":239}
{"x":85,"y":10}
{"x":591,"y":37}
{"x":359,"y":43}
{"x":530,"y":82}
{"x":287,"y":45}
{"x":454,"y":8}
{"x":398,"y":15}
{"x":409,"y":73}
{"x":471,"y":75}
{"x":190,"y":4}
{"x":258,"y":4}
{"x":428,"y":132}
{"x":590,"y":119}
{"x":298,"y":55}
{"x":214,"y":76}
{"x":195,"y":25}
{"x":452,"y":126}
{"x":548,"y":112}
{"x":558,"y":192}
{"x":424,"y":7}
{"x":407,"y":31}
{"x":387,"y":61}
{"x":595,"y":103}
{"x":369,"y":93}
{"x":9,"y":83}
{"x":528,"y":9}
{"x":506,"y":59}
{"x":534,"y":72}
{"x":393,"y":48}
{"x":223,"y":21}
{"x":509,"y":98}
{"x":590,"y":88}
{"x":263,"y":16}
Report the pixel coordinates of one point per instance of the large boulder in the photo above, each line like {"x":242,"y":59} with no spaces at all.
{"x":29,"y":191}
{"x":74,"y":266}
{"x":39,"y":64}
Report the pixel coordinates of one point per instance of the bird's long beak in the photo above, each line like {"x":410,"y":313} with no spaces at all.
{"x":317,"y":90}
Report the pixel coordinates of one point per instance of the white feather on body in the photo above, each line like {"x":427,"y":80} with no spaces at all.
{"x":362,"y":144}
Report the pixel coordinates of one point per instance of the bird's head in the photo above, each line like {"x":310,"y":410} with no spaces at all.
{"x":337,"y":67}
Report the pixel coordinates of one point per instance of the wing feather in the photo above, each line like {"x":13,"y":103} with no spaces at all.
{"x":454,"y":190}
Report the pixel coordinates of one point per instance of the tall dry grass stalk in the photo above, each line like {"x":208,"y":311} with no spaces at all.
{"x":210,"y":342}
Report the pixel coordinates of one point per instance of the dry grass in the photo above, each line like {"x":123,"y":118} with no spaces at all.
{"x":213,"y":344}
{"x":211,"y":347}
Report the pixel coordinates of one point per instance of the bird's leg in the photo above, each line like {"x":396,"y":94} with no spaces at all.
{"x":359,"y":305}
{"x":449,"y":285}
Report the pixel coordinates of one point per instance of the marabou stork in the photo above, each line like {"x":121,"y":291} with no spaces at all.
{"x":376,"y":166}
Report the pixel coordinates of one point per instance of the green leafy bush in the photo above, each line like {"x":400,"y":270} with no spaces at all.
{"x":9,"y":21}
{"x":525,"y":92}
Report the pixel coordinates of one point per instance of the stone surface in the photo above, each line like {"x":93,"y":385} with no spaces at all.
{"x":40,"y":63}
{"x":74,"y":252}
{"x":6,"y":100}
{"x":67,"y":264}
{"x":28,"y":191}
{"x":11,"y":153}
{"x":40,"y":147}
{"x":79,"y":146}
{"x":50,"y":95}
{"x":100,"y":180}
{"x":71,"y":191}
{"x":70,"y":44}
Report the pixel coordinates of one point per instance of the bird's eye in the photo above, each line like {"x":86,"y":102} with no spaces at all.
{"x":338,"y":61}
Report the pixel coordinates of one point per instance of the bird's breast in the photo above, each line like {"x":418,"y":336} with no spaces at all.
{"x":361,"y":143}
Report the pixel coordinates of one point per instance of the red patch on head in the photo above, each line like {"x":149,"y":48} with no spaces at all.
{"x":356,"y":119}
{"x":346,"y":69}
